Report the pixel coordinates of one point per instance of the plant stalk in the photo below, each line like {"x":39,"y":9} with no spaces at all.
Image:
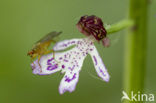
{"x":135,"y":49}
{"x":119,"y":26}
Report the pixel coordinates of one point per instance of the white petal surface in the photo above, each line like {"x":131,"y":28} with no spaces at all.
{"x":99,"y":65}
{"x":69,"y":81}
{"x":47,"y":65}
{"x":70,"y":62}
{"x":65,"y":44}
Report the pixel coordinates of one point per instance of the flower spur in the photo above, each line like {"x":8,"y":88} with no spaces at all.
{"x":71,"y":62}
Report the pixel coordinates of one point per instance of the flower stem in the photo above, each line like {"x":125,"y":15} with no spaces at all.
{"x":118,"y":26}
{"x":135,"y":49}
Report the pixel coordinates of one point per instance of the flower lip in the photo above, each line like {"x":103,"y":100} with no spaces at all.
{"x":70,"y":62}
{"x":35,"y":68}
{"x":92,"y":25}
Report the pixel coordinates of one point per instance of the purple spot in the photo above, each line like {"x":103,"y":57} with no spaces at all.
{"x":49,"y":60}
{"x":65,"y":45}
{"x":84,"y":54}
{"x":78,"y":42}
{"x":102,"y":72}
{"x":52,"y":67}
{"x":95,"y":60}
{"x":71,"y":68}
{"x":65,"y":60}
{"x":69,"y":55}
{"x":73,"y":42}
{"x":65,"y":56}
{"x":68,"y":79}
{"x":63,"y":66}
{"x":60,"y":58}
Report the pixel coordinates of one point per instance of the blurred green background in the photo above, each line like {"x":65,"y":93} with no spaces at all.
{"x":23,"y":22}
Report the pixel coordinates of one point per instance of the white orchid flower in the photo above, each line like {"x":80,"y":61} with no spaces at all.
{"x":70,"y":62}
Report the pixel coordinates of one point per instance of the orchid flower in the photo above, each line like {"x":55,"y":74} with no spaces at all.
{"x":70,"y":62}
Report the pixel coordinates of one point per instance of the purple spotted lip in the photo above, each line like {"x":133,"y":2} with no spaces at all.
{"x":70,"y":62}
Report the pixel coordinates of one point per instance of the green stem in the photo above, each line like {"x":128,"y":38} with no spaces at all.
{"x":118,"y":26}
{"x":135,"y":52}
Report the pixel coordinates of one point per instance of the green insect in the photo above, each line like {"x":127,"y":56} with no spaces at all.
{"x":41,"y":47}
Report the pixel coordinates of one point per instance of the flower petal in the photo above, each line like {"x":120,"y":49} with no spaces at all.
{"x":70,"y":62}
{"x":65,"y":44}
{"x":46,"y":65}
{"x":69,"y":81}
{"x":99,"y":65}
